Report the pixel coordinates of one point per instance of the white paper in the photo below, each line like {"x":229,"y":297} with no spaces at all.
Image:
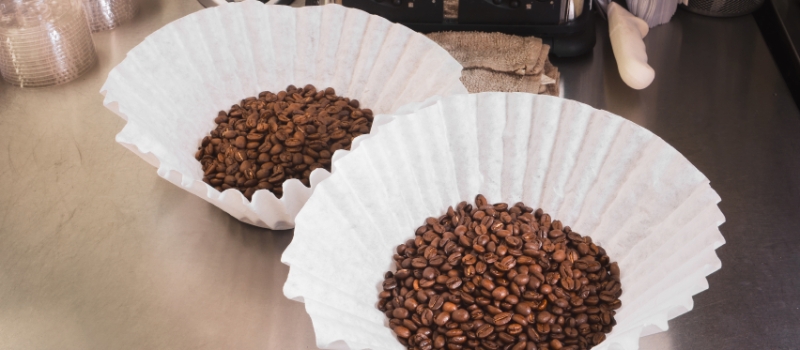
{"x":604,"y":176}
{"x":170,"y":87}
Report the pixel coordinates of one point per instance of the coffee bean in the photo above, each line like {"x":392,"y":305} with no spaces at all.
{"x":502,"y":318}
{"x":487,"y":284}
{"x":298,"y":130}
{"x":453,"y":283}
{"x":506,"y":263}
{"x":435,"y":302}
{"x":400,"y":313}
{"x":484,"y":331}
{"x":389,"y":284}
{"x":460,"y":315}
{"x":449,"y":306}
{"x":460,"y":339}
{"x":438,"y":342}
{"x":545,"y":289}
{"x":419,"y":263}
{"x":559,"y":255}
{"x":607,"y":296}
{"x":496,"y":277}
{"x":442,"y":318}
{"x":402,"y":332}
{"x":597,"y":338}
{"x":454,"y":332}
{"x":514,"y":329}
{"x":500,"y":293}
{"x":544,"y":317}
{"x":568,"y":283}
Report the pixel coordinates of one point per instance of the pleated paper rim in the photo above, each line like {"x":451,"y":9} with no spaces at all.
{"x":697,"y":253}
{"x":281,"y":212}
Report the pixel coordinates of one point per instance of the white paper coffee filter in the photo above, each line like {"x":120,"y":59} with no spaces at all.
{"x":604,"y":176}
{"x":171,"y":86}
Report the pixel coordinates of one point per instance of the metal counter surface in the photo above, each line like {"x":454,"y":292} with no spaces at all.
{"x":98,"y":252}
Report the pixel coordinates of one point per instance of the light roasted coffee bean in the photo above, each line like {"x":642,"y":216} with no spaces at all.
{"x":495,"y":276}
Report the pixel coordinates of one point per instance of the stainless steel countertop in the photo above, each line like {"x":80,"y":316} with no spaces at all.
{"x":98,"y":252}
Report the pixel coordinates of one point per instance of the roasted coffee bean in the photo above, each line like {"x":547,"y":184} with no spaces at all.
{"x":453,"y":283}
{"x":502,"y":318}
{"x":487,"y":284}
{"x":514,"y":329}
{"x":435,"y":302}
{"x":293,"y":128}
{"x":442,"y":318}
{"x":419,"y":263}
{"x":402,"y":332}
{"x":546,"y":289}
{"x":438,"y":342}
{"x":460,"y":315}
{"x":500,"y":293}
{"x":426,"y":318}
{"x":492,"y":276}
{"x":389,"y":284}
{"x":429,"y":273}
{"x":484,"y":331}
{"x":400,"y":313}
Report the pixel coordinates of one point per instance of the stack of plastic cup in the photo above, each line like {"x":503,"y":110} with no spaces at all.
{"x":44,"y":42}
{"x":108,"y":14}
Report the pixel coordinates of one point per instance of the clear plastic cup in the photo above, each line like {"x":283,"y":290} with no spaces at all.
{"x":44,"y":42}
{"x":108,"y":14}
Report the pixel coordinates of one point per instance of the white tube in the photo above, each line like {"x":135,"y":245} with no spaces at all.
{"x":626,"y":32}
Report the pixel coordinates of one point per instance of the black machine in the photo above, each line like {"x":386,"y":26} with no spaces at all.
{"x":552,"y":20}
{"x":566,"y":25}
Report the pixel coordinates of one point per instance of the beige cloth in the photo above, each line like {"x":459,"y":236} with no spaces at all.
{"x":480,"y":80}
{"x":501,"y":62}
{"x":550,"y":72}
{"x":496,"y":51}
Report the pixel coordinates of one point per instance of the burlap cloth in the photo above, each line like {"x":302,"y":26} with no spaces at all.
{"x":501,"y":62}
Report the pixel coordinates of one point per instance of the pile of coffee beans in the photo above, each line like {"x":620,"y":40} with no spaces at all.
{"x":500,"y":277}
{"x":263,"y":141}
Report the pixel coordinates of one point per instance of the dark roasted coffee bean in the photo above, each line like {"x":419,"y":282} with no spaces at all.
{"x":500,"y":293}
{"x":426,"y":318}
{"x":502,"y":318}
{"x":291,"y":128}
{"x":453,"y":283}
{"x":487,"y":284}
{"x":598,"y":338}
{"x":442,"y":318}
{"x":543,"y":317}
{"x":514,"y":329}
{"x":419,"y":263}
{"x":429,"y":273}
{"x":498,"y":277}
{"x":460,"y":315}
{"x":484,"y":331}
{"x":449,"y":306}
{"x":400,"y":313}
{"x":435,"y":302}
{"x":402,"y":332}
{"x":438,"y":342}
{"x":389,"y":284}
{"x":545,"y":289}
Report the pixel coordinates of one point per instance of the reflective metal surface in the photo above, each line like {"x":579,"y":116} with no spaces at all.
{"x":98,"y":252}
{"x":719,"y":99}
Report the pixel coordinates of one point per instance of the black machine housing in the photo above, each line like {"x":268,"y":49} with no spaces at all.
{"x":541,"y":18}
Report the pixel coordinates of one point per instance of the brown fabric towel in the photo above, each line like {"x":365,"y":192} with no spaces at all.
{"x":496,"y":51}
{"x":480,"y":80}
{"x":501,"y":62}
